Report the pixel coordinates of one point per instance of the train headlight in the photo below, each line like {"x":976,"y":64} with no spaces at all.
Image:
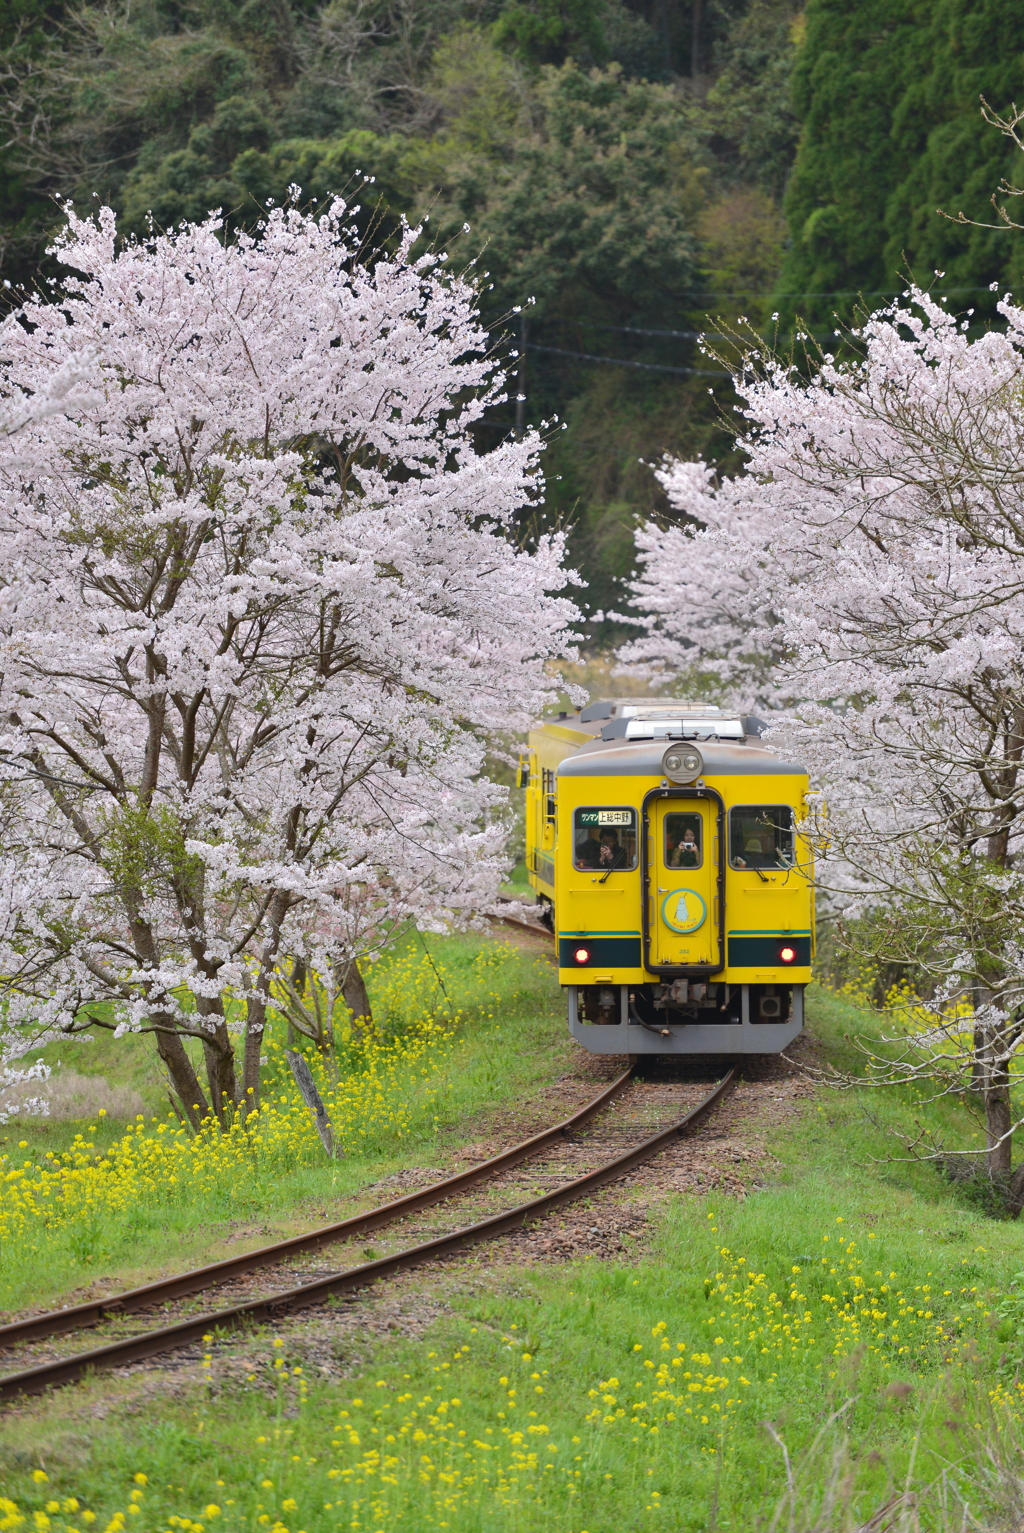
{"x":787,"y":955}
{"x":581,"y":955}
{"x":682,"y":763}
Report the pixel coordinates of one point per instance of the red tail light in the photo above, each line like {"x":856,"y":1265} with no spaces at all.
{"x":787,"y":955}
{"x":581,"y":955}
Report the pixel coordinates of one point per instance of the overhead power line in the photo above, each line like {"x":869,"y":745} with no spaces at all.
{"x":687,"y":335}
{"x":650,"y":367}
{"x":880,"y":292}
{"x":684,"y":335}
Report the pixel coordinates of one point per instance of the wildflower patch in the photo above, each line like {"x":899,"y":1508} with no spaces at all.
{"x":381,"y":1087}
{"x":502,"y":1432}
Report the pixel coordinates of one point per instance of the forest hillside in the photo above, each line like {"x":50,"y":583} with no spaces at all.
{"x":628,"y":173}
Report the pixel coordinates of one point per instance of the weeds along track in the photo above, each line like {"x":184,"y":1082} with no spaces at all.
{"x":635,"y":1120}
{"x":557,"y":1166}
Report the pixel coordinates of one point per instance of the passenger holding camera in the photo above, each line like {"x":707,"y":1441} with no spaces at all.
{"x":686,"y":852}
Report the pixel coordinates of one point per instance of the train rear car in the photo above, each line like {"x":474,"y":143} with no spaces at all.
{"x":663,"y":849}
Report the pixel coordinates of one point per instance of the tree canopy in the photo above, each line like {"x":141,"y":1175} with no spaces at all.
{"x":888,"y":95}
{"x":632,"y":200}
{"x":597,"y":176}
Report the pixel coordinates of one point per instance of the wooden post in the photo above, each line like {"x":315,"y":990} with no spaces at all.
{"x":313,"y":1100}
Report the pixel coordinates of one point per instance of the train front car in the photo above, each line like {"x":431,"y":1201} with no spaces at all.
{"x":683,"y":899}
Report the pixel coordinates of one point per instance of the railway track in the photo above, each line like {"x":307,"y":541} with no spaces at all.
{"x":628,"y":1110}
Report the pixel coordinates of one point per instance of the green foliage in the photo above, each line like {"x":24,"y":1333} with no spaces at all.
{"x":631,"y":40}
{"x":748,"y":108}
{"x":743,"y":237}
{"x":545,"y":31}
{"x":593,"y":180}
{"x":846,"y":960}
{"x":1009,"y":1314}
{"x":24,"y":29}
{"x":604,"y":199}
{"x":583,"y":189}
{"x":144,"y":852}
{"x":590,"y":206}
{"x":599,"y":480}
{"x":231,"y":164}
{"x":888,"y":95}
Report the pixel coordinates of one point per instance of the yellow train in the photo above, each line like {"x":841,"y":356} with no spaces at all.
{"x":662,"y":845}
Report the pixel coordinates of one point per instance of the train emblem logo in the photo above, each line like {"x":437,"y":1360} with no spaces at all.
{"x":683,"y":910}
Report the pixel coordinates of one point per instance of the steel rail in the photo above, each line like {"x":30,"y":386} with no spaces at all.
{"x":79,"y":1317}
{"x":526,"y":926}
{"x":167,"y":1338}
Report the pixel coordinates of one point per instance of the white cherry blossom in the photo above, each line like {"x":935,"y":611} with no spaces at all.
{"x":261,"y":606}
{"x":865,"y":574}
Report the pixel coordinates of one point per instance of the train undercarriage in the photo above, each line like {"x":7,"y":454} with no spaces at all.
{"x":685,"y":1017}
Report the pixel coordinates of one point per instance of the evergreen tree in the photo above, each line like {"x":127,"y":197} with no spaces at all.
{"x":888,"y":95}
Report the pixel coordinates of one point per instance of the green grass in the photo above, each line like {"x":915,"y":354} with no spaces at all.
{"x":509,"y":1036}
{"x":550,"y":1340}
{"x":517,"y":885}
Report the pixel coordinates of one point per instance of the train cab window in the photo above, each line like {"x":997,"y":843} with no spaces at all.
{"x":683,"y":841}
{"x":761,"y":836}
{"x":604,"y":839}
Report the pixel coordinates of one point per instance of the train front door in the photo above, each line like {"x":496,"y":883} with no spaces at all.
{"x":682,"y":864}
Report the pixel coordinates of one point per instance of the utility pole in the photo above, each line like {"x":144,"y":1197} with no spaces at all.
{"x":521,"y":378}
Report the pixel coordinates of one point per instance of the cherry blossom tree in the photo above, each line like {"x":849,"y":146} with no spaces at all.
{"x":261,"y":607}
{"x":14,"y":1085}
{"x":868,"y":568}
{"x":704,"y":591}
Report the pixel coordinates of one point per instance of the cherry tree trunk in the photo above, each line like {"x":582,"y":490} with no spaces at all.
{"x":1015,"y":1193}
{"x":220,"y":1071}
{"x":997,"y":1126}
{"x":998,"y":1110}
{"x":256,"y":1006}
{"x":184,"y":1079}
{"x":356,"y":998}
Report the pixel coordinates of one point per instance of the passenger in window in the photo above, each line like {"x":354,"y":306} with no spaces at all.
{"x":686,"y":853}
{"x":754,"y":855}
{"x":762,"y":838}
{"x":588,"y":851}
{"x":611,"y":854}
{"x":758,"y":857}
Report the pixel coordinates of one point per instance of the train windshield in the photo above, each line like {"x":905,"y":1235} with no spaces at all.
{"x":605,"y":838}
{"x":683,"y":841}
{"x":761,"y":836}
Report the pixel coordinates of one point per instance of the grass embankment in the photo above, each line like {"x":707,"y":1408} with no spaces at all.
{"x":605,"y":1397}
{"x":461,"y":1030}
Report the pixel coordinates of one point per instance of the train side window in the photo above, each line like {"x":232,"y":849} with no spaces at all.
{"x":683,"y":841}
{"x":604,"y":838}
{"x":761,"y":836}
